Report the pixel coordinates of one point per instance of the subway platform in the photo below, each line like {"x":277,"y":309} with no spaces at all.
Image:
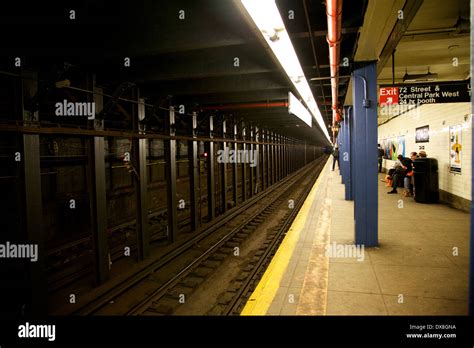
{"x":420,"y":267}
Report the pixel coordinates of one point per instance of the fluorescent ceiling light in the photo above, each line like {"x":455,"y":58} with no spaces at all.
{"x":268,"y":20}
{"x":420,"y":77}
{"x":299,"y":110}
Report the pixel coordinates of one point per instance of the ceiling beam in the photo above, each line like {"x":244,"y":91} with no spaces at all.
{"x":318,"y":33}
{"x":226,"y":84}
{"x":223,"y":61}
{"x":401,"y":26}
{"x":236,"y":97}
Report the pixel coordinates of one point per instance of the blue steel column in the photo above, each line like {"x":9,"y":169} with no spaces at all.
{"x":365,"y":154}
{"x":351,"y":154}
{"x":347,"y":154}
{"x":342,"y":149}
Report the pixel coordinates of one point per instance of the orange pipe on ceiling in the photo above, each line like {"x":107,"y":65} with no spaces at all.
{"x":334,"y":17}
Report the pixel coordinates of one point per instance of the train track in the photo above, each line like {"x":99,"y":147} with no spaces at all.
{"x":234,"y":228}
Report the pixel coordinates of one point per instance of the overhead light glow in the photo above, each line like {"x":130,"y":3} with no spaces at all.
{"x":268,"y":20}
{"x":296,"y":108}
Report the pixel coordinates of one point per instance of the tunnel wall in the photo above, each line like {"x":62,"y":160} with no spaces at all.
{"x":455,"y":188}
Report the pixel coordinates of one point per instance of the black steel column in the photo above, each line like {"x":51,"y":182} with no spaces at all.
{"x":244,"y":168}
{"x":279,"y":157}
{"x":193,"y":166}
{"x":290,"y":155}
{"x":270,"y":158}
{"x":251,"y":169}
{"x":143,"y":234}
{"x":170,"y":155}
{"x":267,"y":158}
{"x":275,"y":139}
{"x":98,"y":194}
{"x":34,"y":220}
{"x":262,"y":160}
{"x":272,"y":139}
{"x":257,"y":160}
{"x":33,"y":209}
{"x":224,"y":169}
{"x":234,"y":168}
{"x":211,"y":198}
{"x":99,"y":211}
{"x":141,"y":186}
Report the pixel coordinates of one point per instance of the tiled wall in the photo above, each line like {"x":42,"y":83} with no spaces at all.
{"x":439,"y":117}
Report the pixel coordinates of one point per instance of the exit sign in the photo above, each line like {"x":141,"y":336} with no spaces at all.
{"x":426,"y":93}
{"x":388,"y":95}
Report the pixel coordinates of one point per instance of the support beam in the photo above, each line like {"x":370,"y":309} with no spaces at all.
{"x":305,"y":159}
{"x":347,"y":152}
{"x":99,"y":210}
{"x":251,"y":169}
{"x":342,"y":149}
{"x":401,"y":26}
{"x":36,"y":303}
{"x":278,"y":157}
{"x":211,"y":197}
{"x":268,"y":156}
{"x":170,"y":155}
{"x":263,"y":159}
{"x":244,"y":168}
{"x":221,"y":84}
{"x":290,"y":156}
{"x":235,"y":194}
{"x":34,"y":222}
{"x":193,"y":174}
{"x":223,"y":167}
{"x":282,"y":159}
{"x":141,"y":185}
{"x":272,"y":157}
{"x":365,"y":155}
{"x":258,"y":159}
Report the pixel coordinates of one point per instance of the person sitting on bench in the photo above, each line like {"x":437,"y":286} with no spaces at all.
{"x":391,"y":171}
{"x":399,"y":175}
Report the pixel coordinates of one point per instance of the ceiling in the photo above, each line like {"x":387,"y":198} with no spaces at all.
{"x":439,"y":32}
{"x":191,"y":59}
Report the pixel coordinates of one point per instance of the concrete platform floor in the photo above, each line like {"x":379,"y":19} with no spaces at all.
{"x":419,"y":268}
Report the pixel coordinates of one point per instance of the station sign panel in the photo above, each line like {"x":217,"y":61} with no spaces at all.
{"x":426,"y":93}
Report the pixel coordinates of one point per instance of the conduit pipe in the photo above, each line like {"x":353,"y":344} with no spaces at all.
{"x":334,"y":16}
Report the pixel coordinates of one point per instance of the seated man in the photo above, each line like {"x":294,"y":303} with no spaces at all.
{"x":399,"y":175}
{"x":391,"y":171}
{"x":409,"y":176}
